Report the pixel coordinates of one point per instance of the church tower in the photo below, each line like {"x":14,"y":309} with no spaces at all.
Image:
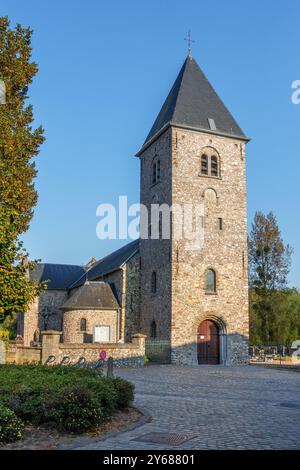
{"x":195,"y":299}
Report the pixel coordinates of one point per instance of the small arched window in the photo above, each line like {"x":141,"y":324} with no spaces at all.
{"x":204,"y":165}
{"x":153,"y":282}
{"x":153,"y":332}
{"x":214,"y":170}
{"x":211,"y":284}
{"x":156,"y":171}
{"x":83,"y":324}
{"x":210,"y":163}
{"x":160,"y":221}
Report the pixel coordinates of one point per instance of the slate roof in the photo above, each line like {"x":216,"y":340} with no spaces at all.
{"x":92,"y":295}
{"x":109,"y":263}
{"x":60,"y":276}
{"x":191,"y":102}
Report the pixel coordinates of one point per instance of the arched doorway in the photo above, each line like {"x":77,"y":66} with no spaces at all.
{"x":208,"y":343}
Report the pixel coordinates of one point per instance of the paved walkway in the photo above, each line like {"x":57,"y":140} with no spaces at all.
{"x":249,"y":407}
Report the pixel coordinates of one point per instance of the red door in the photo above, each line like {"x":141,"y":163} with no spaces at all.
{"x":208,"y":343}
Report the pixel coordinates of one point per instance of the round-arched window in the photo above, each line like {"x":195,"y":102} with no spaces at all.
{"x":210,"y":163}
{"x":153,"y":282}
{"x":83,"y":324}
{"x":211,"y":284}
{"x":153,"y":332}
{"x":155,"y":178}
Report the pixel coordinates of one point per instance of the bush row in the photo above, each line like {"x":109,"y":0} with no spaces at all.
{"x":64,"y":398}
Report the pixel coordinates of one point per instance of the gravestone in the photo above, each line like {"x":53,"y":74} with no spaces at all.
{"x":2,"y":352}
{"x":296,"y":351}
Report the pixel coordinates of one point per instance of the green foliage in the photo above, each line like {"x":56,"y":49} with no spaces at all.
{"x":269,"y":258}
{"x":124,"y":392}
{"x":11,"y":427}
{"x":4,"y":335}
{"x":274,"y":309}
{"x":146,"y":360}
{"x":66,"y":398}
{"x":275,"y":319}
{"x":75,"y":409}
{"x":19,"y":144}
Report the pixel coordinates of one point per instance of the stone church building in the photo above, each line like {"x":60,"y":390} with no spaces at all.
{"x":193,"y":302}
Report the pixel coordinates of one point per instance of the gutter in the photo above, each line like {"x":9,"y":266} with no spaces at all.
{"x":182,"y":126}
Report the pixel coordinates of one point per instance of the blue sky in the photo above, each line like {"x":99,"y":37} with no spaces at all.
{"x":105,"y":69}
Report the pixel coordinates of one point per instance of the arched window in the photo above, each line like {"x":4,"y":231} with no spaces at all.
{"x":210,"y":195}
{"x":153,"y":332}
{"x":83,"y":324}
{"x":158,"y":170}
{"x":210,"y":163}
{"x":153,"y":282}
{"x":211,"y":284}
{"x":204,"y":165}
{"x":214,"y":170}
{"x":155,"y":171}
{"x":160,"y":221}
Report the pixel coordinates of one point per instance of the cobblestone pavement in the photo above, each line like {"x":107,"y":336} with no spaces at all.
{"x":250,"y":407}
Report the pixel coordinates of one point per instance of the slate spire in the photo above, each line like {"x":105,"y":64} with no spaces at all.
{"x":193,"y":103}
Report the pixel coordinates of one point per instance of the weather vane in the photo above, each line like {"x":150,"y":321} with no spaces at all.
{"x":189,"y":41}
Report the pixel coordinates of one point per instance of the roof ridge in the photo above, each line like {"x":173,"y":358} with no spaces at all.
{"x":117,"y":254}
{"x":62,"y":264}
{"x":183,"y":69}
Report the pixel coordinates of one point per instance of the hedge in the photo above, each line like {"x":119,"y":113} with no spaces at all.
{"x":65,"y":398}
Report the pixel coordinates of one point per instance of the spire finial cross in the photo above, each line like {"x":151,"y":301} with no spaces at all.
{"x":189,"y":41}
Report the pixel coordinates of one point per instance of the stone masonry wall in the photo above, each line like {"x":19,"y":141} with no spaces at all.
{"x":132,"y":302}
{"x":155,"y":254}
{"x":116,"y":280}
{"x":48,"y":303}
{"x":224,"y":250}
{"x":124,"y":355}
{"x":71,"y":324}
{"x":18,"y":354}
{"x":30,"y":322}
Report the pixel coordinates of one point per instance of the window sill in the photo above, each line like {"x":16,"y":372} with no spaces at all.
{"x":211,"y":293}
{"x":209,"y":176}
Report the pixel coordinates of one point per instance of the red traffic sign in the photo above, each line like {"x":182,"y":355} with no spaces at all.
{"x":103,"y":355}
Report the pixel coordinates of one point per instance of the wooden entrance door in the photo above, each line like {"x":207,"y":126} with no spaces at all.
{"x":208,"y":343}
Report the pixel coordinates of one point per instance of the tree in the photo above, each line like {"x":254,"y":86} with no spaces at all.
{"x":287,"y":321}
{"x":269,"y":262}
{"x":19,"y":144}
{"x":269,"y":258}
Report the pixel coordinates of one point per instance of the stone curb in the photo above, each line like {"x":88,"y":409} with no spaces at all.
{"x":86,"y":441}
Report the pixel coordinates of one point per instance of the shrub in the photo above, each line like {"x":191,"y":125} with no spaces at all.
{"x":146,"y":360}
{"x":11,"y":427}
{"x":75,"y":410}
{"x":67,"y":398}
{"x":124,"y":392}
